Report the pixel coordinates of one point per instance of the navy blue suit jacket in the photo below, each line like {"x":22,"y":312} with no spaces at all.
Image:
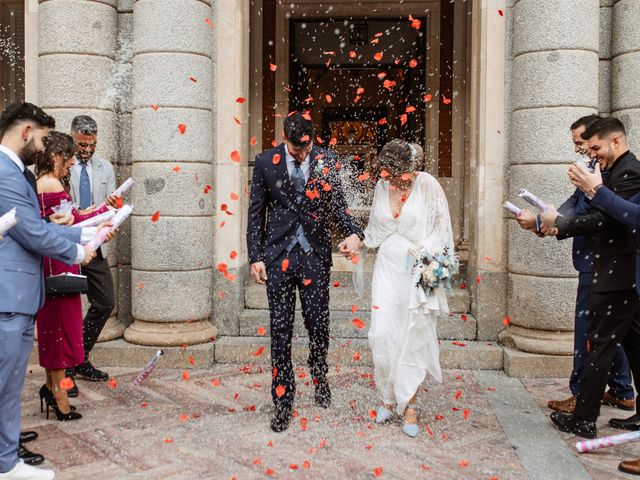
{"x":21,"y":279}
{"x":584,"y":246}
{"x":626,"y":212}
{"x":274,"y":214}
{"x":614,"y":264}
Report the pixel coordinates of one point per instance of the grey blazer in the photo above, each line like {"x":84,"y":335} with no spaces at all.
{"x":104,"y":183}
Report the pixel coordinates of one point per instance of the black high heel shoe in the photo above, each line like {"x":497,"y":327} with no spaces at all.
{"x":46,"y":395}
{"x":49,"y":399}
{"x":63,"y":417}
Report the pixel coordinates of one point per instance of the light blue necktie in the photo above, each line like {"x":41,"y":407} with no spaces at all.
{"x":299,"y":182}
{"x":85,"y":187}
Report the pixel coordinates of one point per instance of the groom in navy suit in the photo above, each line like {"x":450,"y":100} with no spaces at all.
{"x":296,"y":188}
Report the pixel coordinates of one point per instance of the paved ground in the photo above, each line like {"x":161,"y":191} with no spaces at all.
{"x":476,"y":425}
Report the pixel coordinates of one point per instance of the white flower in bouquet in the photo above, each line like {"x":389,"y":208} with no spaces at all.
{"x":428,"y":275}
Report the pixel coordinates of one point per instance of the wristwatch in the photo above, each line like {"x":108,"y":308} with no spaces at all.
{"x":592,"y":192}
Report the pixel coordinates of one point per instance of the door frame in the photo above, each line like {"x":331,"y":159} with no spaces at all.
{"x":374,"y":9}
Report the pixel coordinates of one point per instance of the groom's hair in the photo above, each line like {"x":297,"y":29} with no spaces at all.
{"x":298,"y":130}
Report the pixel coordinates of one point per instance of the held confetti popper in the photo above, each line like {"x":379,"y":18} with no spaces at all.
{"x":8,"y":221}
{"x":531,"y":199}
{"x":511,"y":208}
{"x":148,"y":368}
{"x":117,"y":220}
{"x":97,"y":220}
{"x":121,"y":190}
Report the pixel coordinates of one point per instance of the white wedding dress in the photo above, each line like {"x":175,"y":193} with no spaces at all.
{"x":403,"y":334}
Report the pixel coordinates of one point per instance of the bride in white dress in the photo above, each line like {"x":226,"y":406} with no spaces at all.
{"x":409,"y":212}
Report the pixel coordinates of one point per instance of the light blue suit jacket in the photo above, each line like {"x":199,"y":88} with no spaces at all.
{"x":21,"y":279}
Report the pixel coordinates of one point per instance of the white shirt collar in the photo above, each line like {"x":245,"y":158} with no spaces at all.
{"x":290,"y":158}
{"x":13,"y":156}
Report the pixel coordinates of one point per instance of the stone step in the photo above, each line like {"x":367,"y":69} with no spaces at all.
{"x":343,"y":297}
{"x":454,"y":327}
{"x":467,"y":355}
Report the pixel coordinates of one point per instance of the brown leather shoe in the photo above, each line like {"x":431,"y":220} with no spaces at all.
{"x":630,"y":466}
{"x":622,"y":404}
{"x":564,"y":406}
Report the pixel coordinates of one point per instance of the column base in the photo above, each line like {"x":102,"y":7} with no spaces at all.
{"x":112,"y":329}
{"x":170,"y":334}
{"x":537,"y":341}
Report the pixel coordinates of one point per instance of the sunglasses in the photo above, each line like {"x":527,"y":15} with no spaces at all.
{"x":87,"y":145}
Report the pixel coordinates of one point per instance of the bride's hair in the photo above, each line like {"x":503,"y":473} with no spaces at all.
{"x":418,"y":155}
{"x":396,"y":157}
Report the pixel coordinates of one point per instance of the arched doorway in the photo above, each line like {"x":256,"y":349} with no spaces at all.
{"x":368,"y":72}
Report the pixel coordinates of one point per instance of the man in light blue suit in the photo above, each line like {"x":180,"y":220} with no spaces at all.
{"x":23,"y":127}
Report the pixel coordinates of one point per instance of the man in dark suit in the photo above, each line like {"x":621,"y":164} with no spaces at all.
{"x":620,"y":393}
{"x":296,"y":188}
{"x":614,"y":301}
{"x":626,"y":212}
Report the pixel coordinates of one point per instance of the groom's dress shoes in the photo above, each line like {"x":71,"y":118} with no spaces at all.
{"x":631,"y":423}
{"x":281,"y":418}
{"x":323,"y":394}
{"x":568,"y":423}
{"x":630,"y":466}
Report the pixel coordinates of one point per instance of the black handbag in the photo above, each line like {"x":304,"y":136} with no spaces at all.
{"x":65,"y":284}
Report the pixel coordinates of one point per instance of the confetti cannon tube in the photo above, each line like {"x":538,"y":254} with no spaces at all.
{"x":531,"y":199}
{"x":511,"y":208}
{"x":149,"y":368}
{"x":604,"y":442}
{"x":97,"y":220}
{"x":117,"y":220}
{"x":8,"y":221}
{"x":121,"y":190}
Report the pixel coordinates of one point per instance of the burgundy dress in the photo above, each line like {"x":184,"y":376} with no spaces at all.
{"x":59,"y":321}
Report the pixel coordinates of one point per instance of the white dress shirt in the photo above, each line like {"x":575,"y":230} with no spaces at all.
{"x":291,"y":164}
{"x":87,"y":234}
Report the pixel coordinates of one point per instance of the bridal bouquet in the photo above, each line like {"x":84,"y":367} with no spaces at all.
{"x":435,"y":268}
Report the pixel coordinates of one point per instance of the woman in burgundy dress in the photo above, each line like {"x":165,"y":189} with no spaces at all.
{"x":59,"y":321}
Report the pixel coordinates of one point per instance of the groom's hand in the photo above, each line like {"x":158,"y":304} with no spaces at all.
{"x":259,"y":272}
{"x":350,"y":245}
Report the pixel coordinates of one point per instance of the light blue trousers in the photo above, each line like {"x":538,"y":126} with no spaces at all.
{"x":16,"y":342}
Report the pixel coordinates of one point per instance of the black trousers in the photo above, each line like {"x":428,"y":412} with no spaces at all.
{"x":615,"y":321}
{"x":102,"y":298}
{"x":310,"y":275}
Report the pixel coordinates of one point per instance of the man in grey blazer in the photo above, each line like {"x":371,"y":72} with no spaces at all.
{"x":92,"y":182}
{"x":23,"y":127}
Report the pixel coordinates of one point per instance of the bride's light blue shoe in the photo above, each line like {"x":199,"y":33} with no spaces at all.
{"x":383,"y":414}
{"x":411,"y":429}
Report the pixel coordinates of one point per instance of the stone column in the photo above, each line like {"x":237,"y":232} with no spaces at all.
{"x":486,"y":169}
{"x":554,"y":82}
{"x":172,"y":152}
{"x":604,"y":88}
{"x":625,"y":65}
{"x":232,"y":82}
{"x":77,"y":51}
